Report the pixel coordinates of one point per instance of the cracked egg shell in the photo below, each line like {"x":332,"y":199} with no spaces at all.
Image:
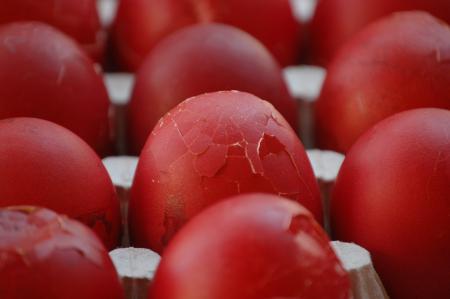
{"x":45,"y":74}
{"x":77,"y":18}
{"x":392,"y":196}
{"x":211,"y":147}
{"x":199,"y":59}
{"x":141,"y":24}
{"x":398,"y":63}
{"x":44,"y":164}
{"x":251,"y":246}
{"x":46,"y":255}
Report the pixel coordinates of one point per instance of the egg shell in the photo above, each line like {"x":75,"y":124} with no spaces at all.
{"x":251,"y":246}
{"x":392,"y":197}
{"x":398,"y":63}
{"x":46,"y":165}
{"x":211,"y":147}
{"x":335,"y":22}
{"x":198,"y":59}
{"x":45,"y":74}
{"x":77,"y":18}
{"x":141,"y":24}
{"x":46,"y":255}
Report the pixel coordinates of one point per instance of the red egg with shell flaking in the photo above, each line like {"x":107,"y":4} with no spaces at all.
{"x":77,"y":18}
{"x":46,"y":255}
{"x":211,"y":147}
{"x":336,"y":21}
{"x":45,"y":74}
{"x":199,"y":59}
{"x":141,"y":24}
{"x":392,"y":196}
{"x":46,"y":165}
{"x":398,"y":63}
{"x":251,"y":246}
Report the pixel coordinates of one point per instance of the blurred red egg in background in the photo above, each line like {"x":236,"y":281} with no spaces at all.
{"x":199,"y":59}
{"x":141,"y":24}
{"x":45,"y":74}
{"x":77,"y":18}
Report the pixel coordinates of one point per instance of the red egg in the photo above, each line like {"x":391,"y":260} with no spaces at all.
{"x":46,"y":165}
{"x":336,"y":21}
{"x":45,"y":255}
{"x":44,"y":74}
{"x":199,"y":59}
{"x":392,"y":198}
{"x":141,"y":24}
{"x":251,"y":246}
{"x":211,"y":147}
{"x":398,"y":63}
{"x":77,"y":18}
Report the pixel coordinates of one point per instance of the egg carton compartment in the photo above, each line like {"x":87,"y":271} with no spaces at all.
{"x":136,"y":267}
{"x":304,"y":83}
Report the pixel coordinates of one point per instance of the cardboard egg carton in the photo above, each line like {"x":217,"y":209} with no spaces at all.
{"x":107,"y":11}
{"x":136,"y":267}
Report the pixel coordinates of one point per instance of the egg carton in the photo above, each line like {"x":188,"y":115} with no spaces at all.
{"x":302,"y":9}
{"x":137,"y":266}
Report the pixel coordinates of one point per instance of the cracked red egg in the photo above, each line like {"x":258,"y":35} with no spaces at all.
{"x":251,"y":246}
{"x":336,"y":21}
{"x":46,"y":165}
{"x":141,"y":24}
{"x":211,"y":147}
{"x":46,"y":255}
{"x":77,"y":18}
{"x":45,"y":74}
{"x":199,"y":59}
{"x":392,"y":197}
{"x":398,"y":63}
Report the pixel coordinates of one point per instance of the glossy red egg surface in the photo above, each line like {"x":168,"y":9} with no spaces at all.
{"x":251,"y":246}
{"x":141,"y":24}
{"x":77,"y":18}
{"x":45,"y":74}
{"x":47,"y":256}
{"x":392,"y":198}
{"x":199,"y":59}
{"x":336,"y":21}
{"x":45,"y":165}
{"x":398,"y":63}
{"x":211,"y":147}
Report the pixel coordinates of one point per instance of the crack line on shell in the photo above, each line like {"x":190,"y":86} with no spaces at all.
{"x":300,"y":177}
{"x":252,"y":166}
{"x":216,"y":128}
{"x":246,"y":151}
